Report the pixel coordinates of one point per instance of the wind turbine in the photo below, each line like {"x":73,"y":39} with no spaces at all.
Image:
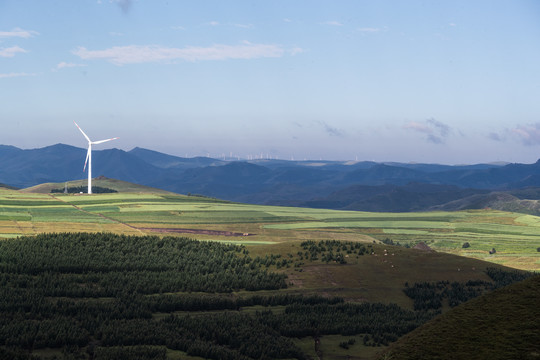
{"x":89,"y":156}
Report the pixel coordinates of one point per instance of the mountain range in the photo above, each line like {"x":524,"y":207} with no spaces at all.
{"x":349,"y":185}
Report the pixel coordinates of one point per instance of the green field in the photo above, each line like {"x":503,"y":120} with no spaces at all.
{"x":515,"y":237}
{"x":280,"y":240}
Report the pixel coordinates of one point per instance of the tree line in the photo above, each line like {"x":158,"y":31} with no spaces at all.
{"x":83,"y":189}
{"x":101,"y":265}
{"x":99,"y":296}
{"x":431,"y":295}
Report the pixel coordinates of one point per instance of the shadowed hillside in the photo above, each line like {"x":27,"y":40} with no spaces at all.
{"x":503,"y":324}
{"x":410,"y":197}
{"x":7,"y":187}
{"x":504,"y":201}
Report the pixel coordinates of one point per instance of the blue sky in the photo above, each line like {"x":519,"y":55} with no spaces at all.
{"x":412,"y":81}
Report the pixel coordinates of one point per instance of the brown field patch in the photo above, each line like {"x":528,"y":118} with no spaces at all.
{"x":196,"y":231}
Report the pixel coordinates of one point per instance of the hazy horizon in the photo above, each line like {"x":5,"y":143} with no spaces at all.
{"x":255,"y":157}
{"x":447,"y":82}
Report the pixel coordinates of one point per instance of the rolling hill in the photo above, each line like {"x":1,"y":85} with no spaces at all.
{"x":410,"y":197}
{"x":166,"y":161}
{"x":366,"y":186}
{"x":112,"y":274}
{"x":114,"y":184}
{"x":504,"y":201}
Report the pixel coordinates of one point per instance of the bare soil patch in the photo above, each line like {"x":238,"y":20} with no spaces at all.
{"x":196,"y":231}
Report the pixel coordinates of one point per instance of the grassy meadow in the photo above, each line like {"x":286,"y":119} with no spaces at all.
{"x":278,"y":236}
{"x":515,"y":237}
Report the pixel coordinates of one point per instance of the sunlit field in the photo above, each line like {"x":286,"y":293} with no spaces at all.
{"x":515,"y":237}
{"x":285,"y":253}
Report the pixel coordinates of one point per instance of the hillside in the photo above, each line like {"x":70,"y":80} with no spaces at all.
{"x":307,"y":282}
{"x":513,"y":235}
{"x":395,"y":198}
{"x":349,"y":185}
{"x":7,"y":187}
{"x":503,"y":201}
{"x":172,"y":297}
{"x":114,"y":184}
{"x":166,"y":161}
{"x":499,"y":325}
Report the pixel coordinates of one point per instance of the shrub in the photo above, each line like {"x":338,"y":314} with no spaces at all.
{"x":83,"y":189}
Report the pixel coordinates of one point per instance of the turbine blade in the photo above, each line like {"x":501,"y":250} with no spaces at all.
{"x":87,"y":138}
{"x":86,"y":161}
{"x":102,"y":141}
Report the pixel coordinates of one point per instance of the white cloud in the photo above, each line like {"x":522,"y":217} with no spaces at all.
{"x":64,"y":65}
{"x":439,"y":127}
{"x":420,"y":127}
{"x":436,"y":131}
{"x":370,"y":30}
{"x":331,"y":130}
{"x":238,"y":25}
{"x":18,"y":32}
{"x":243,"y":26}
{"x":295,"y":51}
{"x":528,"y":134}
{"x":138,"y":54}
{"x":11,"y":51}
{"x":12,"y":75}
{"x":332,"y":23}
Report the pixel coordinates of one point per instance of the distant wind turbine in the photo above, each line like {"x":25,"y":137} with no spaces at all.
{"x":89,"y":156}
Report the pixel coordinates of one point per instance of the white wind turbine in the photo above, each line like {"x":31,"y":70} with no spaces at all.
{"x":89,"y":156}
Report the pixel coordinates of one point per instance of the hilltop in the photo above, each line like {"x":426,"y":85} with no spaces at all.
{"x":101,"y":181}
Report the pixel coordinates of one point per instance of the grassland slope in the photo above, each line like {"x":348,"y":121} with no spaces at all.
{"x":7,"y":187}
{"x":118,"y":185}
{"x":503,"y":324}
{"x":504,"y":201}
{"x":514,"y":236}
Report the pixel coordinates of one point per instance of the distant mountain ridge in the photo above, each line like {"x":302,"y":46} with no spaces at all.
{"x":365,"y":185}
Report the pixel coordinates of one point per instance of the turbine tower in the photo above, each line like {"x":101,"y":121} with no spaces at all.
{"x":89,"y":156}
